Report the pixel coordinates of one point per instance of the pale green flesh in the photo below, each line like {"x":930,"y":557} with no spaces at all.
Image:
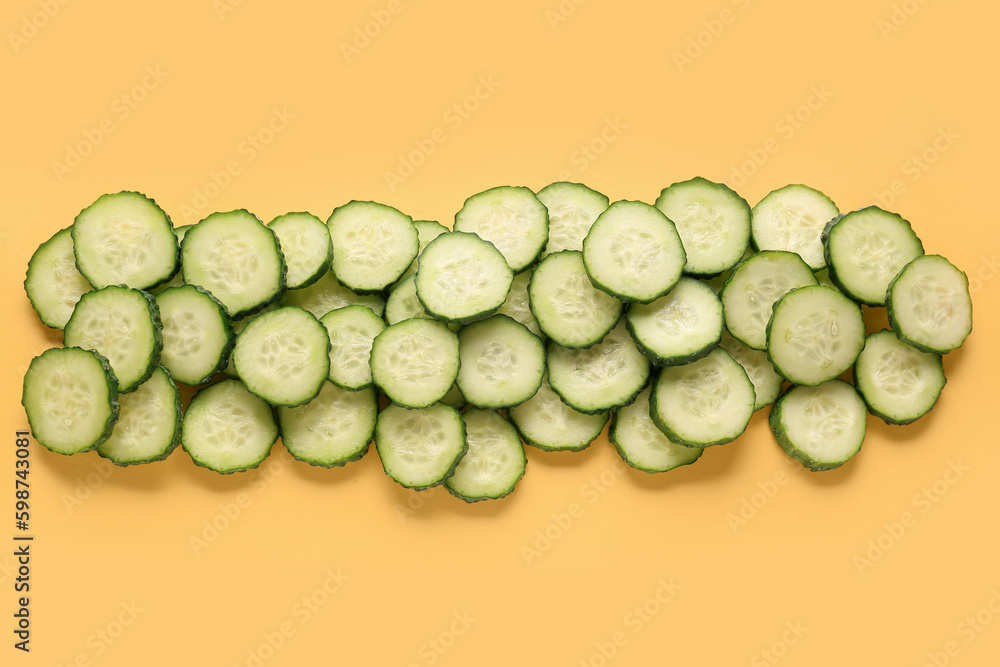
{"x":898,"y":381}
{"x":566,"y":305}
{"x":333,"y":428}
{"x":792,"y":218}
{"x":53,"y":283}
{"x":681,"y":323}
{"x":548,"y":423}
{"x":462,"y":277}
{"x":419,"y":448}
{"x":403,"y":303}
{"x":502,"y":363}
{"x":427,"y":231}
{"x":373,"y":245}
{"x":511,"y":218}
{"x":415,"y":362}
{"x":196,"y":334}
{"x":305,"y":243}
{"x":148,"y":422}
{"x":826,"y":423}
{"x":328,"y":294}
{"x":495,"y":459}
{"x":930,"y":304}
{"x":572,"y":209}
{"x":766,"y":381}
{"x":352,"y":330}
{"x":228,"y":429}
{"x":642,"y":444}
{"x":517,"y":305}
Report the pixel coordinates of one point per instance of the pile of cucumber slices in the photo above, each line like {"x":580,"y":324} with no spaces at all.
{"x":536,"y":319}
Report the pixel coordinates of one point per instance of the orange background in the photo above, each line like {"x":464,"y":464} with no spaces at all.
{"x":839,"y":96}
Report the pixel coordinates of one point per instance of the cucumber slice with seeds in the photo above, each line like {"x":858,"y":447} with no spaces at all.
{"x":236,"y":257}
{"x":427,"y":231}
{"x":512,"y":219}
{"x":352,"y":330}
{"x":572,"y":209}
{"x":821,"y":427}
{"x":227,"y":429}
{"x":566,"y":305}
{"x":929,"y":304}
{"x":680,"y":327}
{"x":331,"y":430}
{"x":752,"y":290}
{"x":403,"y":303}
{"x":305,"y":244}
{"x":198,"y":335}
{"x":149,"y":423}
{"x":494,"y":462}
{"x":125,"y":239}
{"x":633,"y":252}
{"x":712,"y":221}
{"x":283,"y":356}
{"x":373,"y":244}
{"x":793,"y":218}
{"x":546,"y":422}
{"x":123,"y":325}
{"x":642,"y":445}
{"x":766,"y":381}
{"x":328,"y":294}
{"x":899,"y":383}
{"x":501,"y":362}
{"x":462,"y":278}
{"x":178,"y":278}
{"x":865,"y":250}
{"x":70,"y":397}
{"x":53,"y":283}
{"x":415,"y":362}
{"x":420,"y":448}
{"x":518,"y":305}
{"x":707,"y":402}
{"x":814,"y":335}
{"x":603,"y":377}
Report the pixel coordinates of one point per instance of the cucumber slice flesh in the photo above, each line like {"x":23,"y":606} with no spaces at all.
{"x":333,"y":429}
{"x":427,"y":231}
{"x":415,"y":362}
{"x":509,"y":217}
{"x":403,"y":302}
{"x":420,"y":448}
{"x":518,"y":306}
{"x":198,"y":335}
{"x":53,"y":283}
{"x":821,"y":427}
{"x":352,"y":330}
{"x":373,"y":244}
{"x":793,"y":218}
{"x":305,"y":244}
{"x":572,"y":209}
{"x":462,"y":278}
{"x":494,"y":462}
{"x":766,"y":381}
{"x":502,"y":363}
{"x":899,"y":383}
{"x":930,"y":306}
{"x":328,"y":294}
{"x":70,"y":397}
{"x":568,"y":308}
{"x":642,"y":445}
{"x":679,"y":327}
{"x":149,"y":423}
{"x":546,"y":422}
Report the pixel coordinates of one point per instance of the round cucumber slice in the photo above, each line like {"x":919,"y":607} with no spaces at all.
{"x":899,"y":383}
{"x":929,"y":304}
{"x":793,"y":218}
{"x":149,"y":423}
{"x":546,"y":422}
{"x":331,"y":430}
{"x":415,"y":362}
{"x":462,"y":278}
{"x":198,"y":335}
{"x":420,"y":448}
{"x":642,"y":445}
{"x":509,"y":217}
{"x":494,"y":462}
{"x":680,"y":327}
{"x":53,"y":283}
{"x":305,"y":245}
{"x":502,"y":363}
{"x":373,"y":244}
{"x":352,"y":330}
{"x":572,"y":209}
{"x":568,"y":308}
{"x":821,"y":427}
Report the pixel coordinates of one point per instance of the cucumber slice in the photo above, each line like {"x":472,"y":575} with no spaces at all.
{"x":415,"y":362}
{"x":546,"y":422}
{"x":149,"y":423}
{"x":328,"y":294}
{"x":178,"y":278}
{"x":125,"y":239}
{"x":712,"y":221}
{"x":572,"y":209}
{"x":427,"y":231}
{"x":509,"y":217}
{"x":238,"y":327}
{"x":865,"y":250}
{"x":305,"y":245}
{"x":235,"y":257}
{"x":227,"y":429}
{"x":283,"y":356}
{"x":501,"y":362}
{"x":53,"y":283}
{"x":603,"y":377}
{"x":518,"y":305}
{"x":373,"y":244}
{"x":642,"y":445}
{"x":198,"y":335}
{"x":566,"y":305}
{"x":403,"y":303}
{"x":749,"y":295}
{"x":352,"y":330}
{"x":899,"y":383}
{"x":494,"y":462}
{"x":793,"y":218}
{"x":707,"y":402}
{"x":331,"y":430}
{"x":123,"y":325}
{"x":462,"y":278}
{"x":929,"y":304}
{"x":633,"y":252}
{"x":420,"y":448}
{"x":814,"y":335}
{"x":766,"y":381}
{"x":821,"y":427}
{"x":680,"y":327}
{"x":70,"y":397}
